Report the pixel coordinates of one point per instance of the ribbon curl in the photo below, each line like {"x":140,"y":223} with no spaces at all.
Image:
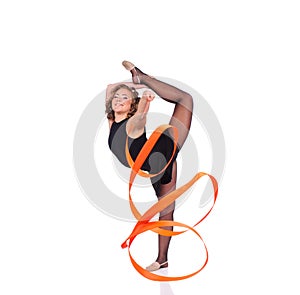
{"x":143,"y":220}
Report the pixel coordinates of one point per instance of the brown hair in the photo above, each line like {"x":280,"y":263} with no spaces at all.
{"x":110,"y":114}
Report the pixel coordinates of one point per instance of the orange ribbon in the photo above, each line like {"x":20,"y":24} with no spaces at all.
{"x":144,"y":224}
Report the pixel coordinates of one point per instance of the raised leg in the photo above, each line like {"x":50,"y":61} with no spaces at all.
{"x":183,"y":110}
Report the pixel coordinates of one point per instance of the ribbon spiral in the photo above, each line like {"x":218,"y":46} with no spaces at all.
{"x":143,"y":221}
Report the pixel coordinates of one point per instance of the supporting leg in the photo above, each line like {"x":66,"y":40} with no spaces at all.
{"x":167,"y":214}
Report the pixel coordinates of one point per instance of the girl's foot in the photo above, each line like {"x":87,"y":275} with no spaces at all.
{"x":135,"y":72}
{"x":156,"y":266}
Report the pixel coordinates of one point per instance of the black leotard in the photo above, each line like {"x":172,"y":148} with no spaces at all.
{"x":156,"y":161}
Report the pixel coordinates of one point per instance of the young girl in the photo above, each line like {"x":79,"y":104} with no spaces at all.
{"x":127,"y":114}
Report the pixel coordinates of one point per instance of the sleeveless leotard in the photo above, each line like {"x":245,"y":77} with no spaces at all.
{"x":156,"y":161}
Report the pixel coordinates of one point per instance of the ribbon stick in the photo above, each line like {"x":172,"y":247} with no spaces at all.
{"x":144,"y":222}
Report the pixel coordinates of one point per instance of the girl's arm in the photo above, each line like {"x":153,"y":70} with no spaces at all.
{"x":110,"y":87}
{"x":144,"y":104}
{"x":136,"y":124}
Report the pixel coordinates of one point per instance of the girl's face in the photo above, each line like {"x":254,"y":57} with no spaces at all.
{"x":121,"y":101}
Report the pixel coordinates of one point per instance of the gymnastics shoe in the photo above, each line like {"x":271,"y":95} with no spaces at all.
{"x":135,"y":72}
{"x":156,"y":266}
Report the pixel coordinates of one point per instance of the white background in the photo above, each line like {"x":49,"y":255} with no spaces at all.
{"x":56,"y":56}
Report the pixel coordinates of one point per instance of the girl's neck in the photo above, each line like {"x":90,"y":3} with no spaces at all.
{"x":120,"y":117}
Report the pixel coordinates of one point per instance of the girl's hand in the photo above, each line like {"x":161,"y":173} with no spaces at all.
{"x":149,"y":95}
{"x":136,"y":86}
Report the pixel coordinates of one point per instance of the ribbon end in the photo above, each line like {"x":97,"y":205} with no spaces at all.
{"x":124,"y":244}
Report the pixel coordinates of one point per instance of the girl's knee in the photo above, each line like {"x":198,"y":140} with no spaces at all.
{"x":187,"y":101}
